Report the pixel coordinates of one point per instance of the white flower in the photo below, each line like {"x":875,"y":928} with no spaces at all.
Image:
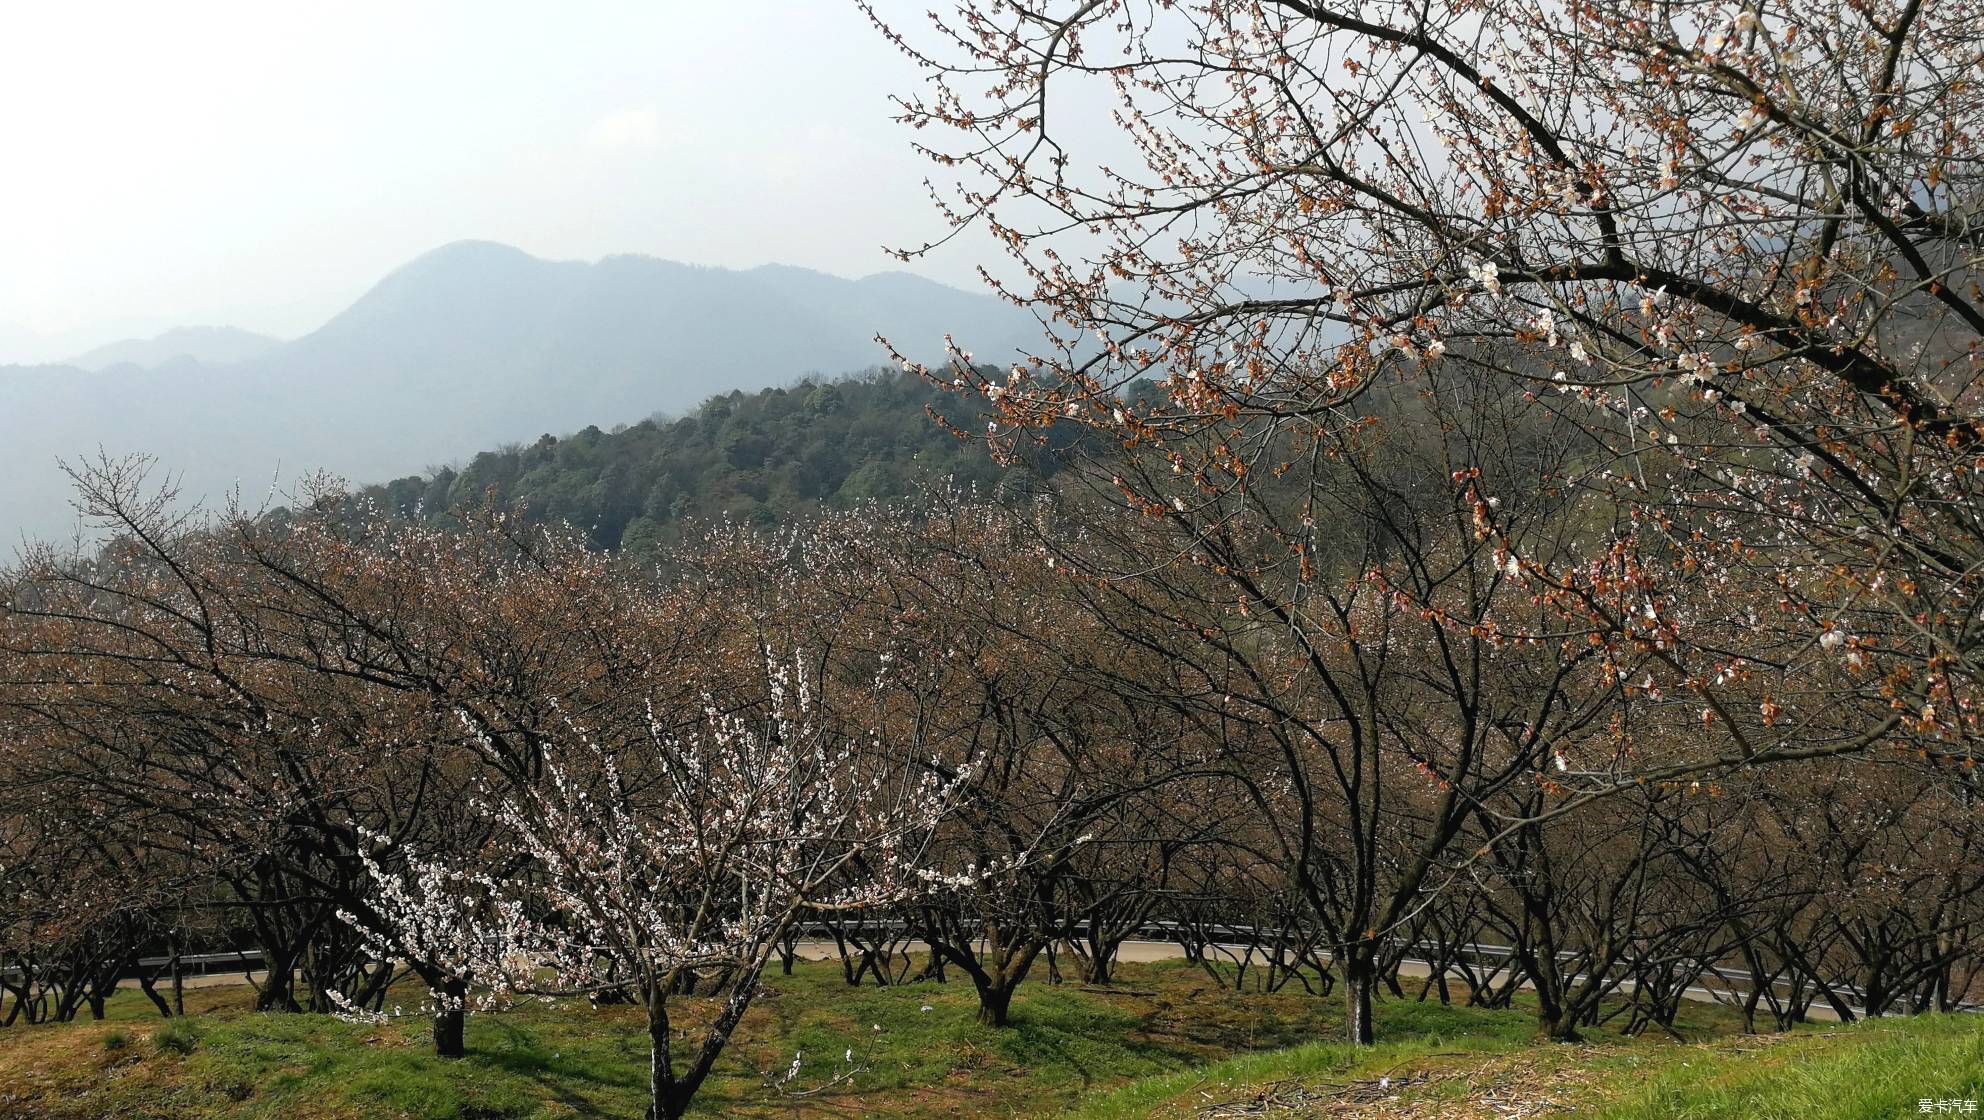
{"x":1832,"y":639}
{"x":1435,"y":348}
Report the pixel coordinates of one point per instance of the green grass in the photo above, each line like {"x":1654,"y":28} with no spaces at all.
{"x":1876,"y":1069}
{"x":1164,"y":1042}
{"x":179,"y":1036}
{"x":574,"y":1060}
{"x":1879,"y":1069}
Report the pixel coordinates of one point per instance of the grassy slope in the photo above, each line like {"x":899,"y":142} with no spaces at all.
{"x":1164,"y":1043}
{"x":1876,"y":1069}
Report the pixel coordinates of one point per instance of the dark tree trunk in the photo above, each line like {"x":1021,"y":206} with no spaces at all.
{"x":1359,"y":981}
{"x":278,"y":983}
{"x":1101,"y":967}
{"x":663,"y":1101}
{"x":149,"y":985}
{"x":995,"y":1004}
{"x":934,"y":968}
{"x":1560,"y":1027}
{"x":450,"y":1019}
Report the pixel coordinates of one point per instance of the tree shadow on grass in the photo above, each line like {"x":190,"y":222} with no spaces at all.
{"x":611,"y":1071}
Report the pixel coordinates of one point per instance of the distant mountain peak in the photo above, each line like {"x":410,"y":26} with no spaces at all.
{"x":211,"y":346}
{"x":471,"y":250}
{"x":467,"y":346}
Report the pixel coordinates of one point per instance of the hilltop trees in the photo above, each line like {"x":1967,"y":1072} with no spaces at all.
{"x":757,"y":459}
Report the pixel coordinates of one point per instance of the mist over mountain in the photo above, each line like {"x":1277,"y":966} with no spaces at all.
{"x":471,"y":345}
{"x":205,"y":345}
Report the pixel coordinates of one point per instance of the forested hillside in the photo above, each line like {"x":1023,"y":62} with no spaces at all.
{"x":755,"y":458}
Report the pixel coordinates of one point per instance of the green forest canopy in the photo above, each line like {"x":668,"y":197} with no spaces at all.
{"x":759,"y":458}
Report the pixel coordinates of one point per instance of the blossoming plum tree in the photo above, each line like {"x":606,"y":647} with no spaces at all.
{"x":647,"y":867}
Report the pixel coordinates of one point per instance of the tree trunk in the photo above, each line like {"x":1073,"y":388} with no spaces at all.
{"x":149,"y":985}
{"x":1359,"y":980}
{"x":662,"y":1097}
{"x":450,"y":1019}
{"x":1561,"y":1028}
{"x":995,"y":1003}
{"x":278,"y":983}
{"x":1101,"y":959}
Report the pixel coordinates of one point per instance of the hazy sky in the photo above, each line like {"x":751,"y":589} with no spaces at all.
{"x":260,"y":165}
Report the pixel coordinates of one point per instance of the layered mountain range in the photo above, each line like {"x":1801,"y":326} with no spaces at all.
{"x":468,"y":346}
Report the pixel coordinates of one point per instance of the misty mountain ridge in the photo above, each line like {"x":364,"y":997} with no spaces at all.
{"x":212,"y":346}
{"x":467,"y":346}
